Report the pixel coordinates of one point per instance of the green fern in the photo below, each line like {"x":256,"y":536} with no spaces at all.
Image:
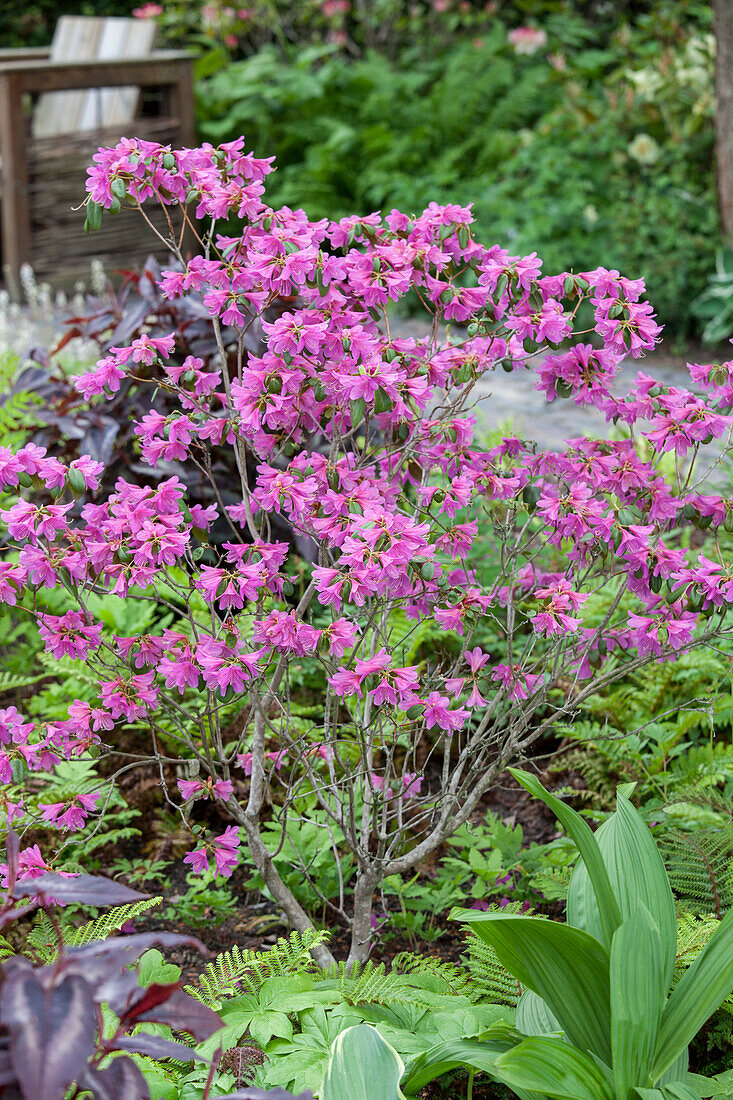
{"x":110,"y":922}
{"x":491,"y":981}
{"x":700,"y":868}
{"x":42,"y":941}
{"x":16,"y":409}
{"x":456,"y":977}
{"x":239,"y":971}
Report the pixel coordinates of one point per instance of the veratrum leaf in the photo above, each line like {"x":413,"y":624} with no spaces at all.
{"x":554,"y":1068}
{"x":51,"y":1031}
{"x":563,"y":965}
{"x":638,"y":993}
{"x":700,"y":990}
{"x":362,"y":1066}
{"x":477,"y":1054}
{"x":590,"y":853}
{"x":534,"y":1017}
{"x":637,"y":875}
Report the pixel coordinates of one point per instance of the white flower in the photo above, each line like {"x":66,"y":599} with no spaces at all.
{"x":644,"y":149}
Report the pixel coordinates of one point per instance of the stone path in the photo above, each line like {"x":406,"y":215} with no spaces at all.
{"x":511,"y":399}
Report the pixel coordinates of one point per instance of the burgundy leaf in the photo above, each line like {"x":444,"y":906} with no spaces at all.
{"x":155,"y":1047}
{"x":185,"y":1014}
{"x":7,"y":1073}
{"x":52,"y":1032}
{"x":84,"y":889}
{"x":146,"y":999}
{"x":120,"y":1080}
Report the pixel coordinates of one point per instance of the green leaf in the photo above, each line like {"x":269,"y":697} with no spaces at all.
{"x":590,"y":853}
{"x":534,"y":1017}
{"x":362,"y":1066}
{"x":552,"y":1067}
{"x":563,"y":965}
{"x":638,"y":992}
{"x":701,"y":989}
{"x":357,"y":411}
{"x":477,"y":1054}
{"x":637,"y":876}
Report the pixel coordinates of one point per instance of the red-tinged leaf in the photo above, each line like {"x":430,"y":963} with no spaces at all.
{"x":184,"y":1013}
{"x":82,"y":889}
{"x":146,"y":999}
{"x":120,"y":1080}
{"x":51,"y":1031}
{"x":155,"y":1047}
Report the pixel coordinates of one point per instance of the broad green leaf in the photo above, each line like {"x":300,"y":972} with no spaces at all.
{"x":638,"y":993}
{"x":678,"y":1090}
{"x":362,"y":1066}
{"x":637,"y":875}
{"x":563,"y":965}
{"x":476,"y":1054}
{"x":580,"y":831}
{"x":700,"y":990}
{"x":553,"y":1067}
{"x":534,"y":1017}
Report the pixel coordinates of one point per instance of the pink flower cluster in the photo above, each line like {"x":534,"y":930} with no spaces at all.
{"x":365,"y":447}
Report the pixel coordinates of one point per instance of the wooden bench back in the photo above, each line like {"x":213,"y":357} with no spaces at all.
{"x":87,"y":38}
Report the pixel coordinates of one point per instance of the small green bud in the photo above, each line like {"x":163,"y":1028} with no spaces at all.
{"x":427,"y":571}
{"x":77,"y":484}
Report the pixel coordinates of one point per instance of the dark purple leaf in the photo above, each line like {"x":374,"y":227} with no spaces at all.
{"x":155,"y":1047}
{"x":99,"y":440}
{"x":7,"y":1073}
{"x":84,"y":889}
{"x":130,"y":323}
{"x":52,"y":1031}
{"x":120,"y":1080}
{"x":184,"y":1013}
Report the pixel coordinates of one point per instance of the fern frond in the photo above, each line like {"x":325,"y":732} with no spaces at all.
{"x":456,"y":977}
{"x":238,"y":970}
{"x":110,"y":922}
{"x":700,"y":868}
{"x":492,"y":982}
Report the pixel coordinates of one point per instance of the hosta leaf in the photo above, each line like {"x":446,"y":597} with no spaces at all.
{"x":638,"y":992}
{"x":700,"y":990}
{"x":580,"y":831}
{"x":552,"y":1067}
{"x":637,"y":875}
{"x":362,"y":1066}
{"x":563,"y":965}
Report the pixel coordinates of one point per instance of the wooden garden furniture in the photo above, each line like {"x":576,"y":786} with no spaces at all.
{"x":98,"y":82}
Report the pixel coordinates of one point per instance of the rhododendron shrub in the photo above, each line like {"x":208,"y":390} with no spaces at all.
{"x":367,"y":445}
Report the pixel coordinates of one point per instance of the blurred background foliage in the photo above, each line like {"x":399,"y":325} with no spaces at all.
{"x":583,"y":130}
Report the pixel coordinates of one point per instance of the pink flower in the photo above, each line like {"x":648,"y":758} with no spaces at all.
{"x":438,"y":713}
{"x":527,"y":40}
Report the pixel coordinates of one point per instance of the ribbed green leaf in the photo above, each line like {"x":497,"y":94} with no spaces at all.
{"x":678,"y":1090}
{"x":580,"y":831}
{"x":637,"y":875}
{"x":638,"y":993}
{"x":477,"y":1054}
{"x":534,"y":1017}
{"x":565,"y":966}
{"x":700,"y":990}
{"x":363,"y":1066}
{"x":552,"y":1067}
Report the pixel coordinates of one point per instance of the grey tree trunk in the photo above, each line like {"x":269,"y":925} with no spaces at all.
{"x":723,"y":25}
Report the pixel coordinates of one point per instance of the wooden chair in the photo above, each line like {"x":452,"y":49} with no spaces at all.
{"x":99,"y":81}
